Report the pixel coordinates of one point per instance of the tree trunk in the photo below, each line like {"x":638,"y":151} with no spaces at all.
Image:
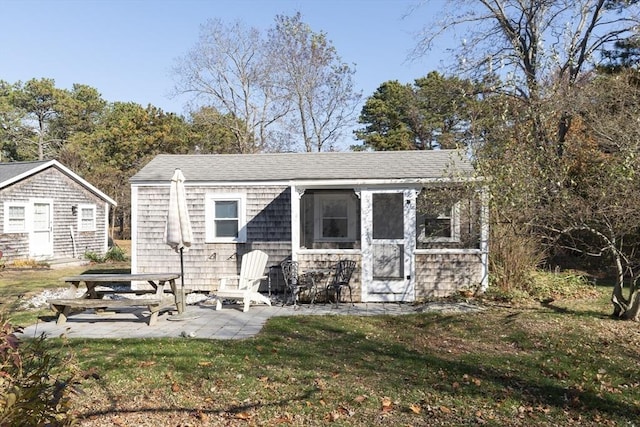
{"x":633,"y":311}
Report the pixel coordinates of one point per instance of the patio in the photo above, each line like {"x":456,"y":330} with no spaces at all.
{"x":204,"y":322}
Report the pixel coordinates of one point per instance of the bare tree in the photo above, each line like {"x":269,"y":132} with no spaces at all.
{"x":270,"y":91}
{"x":537,"y":47}
{"x":227,"y":70}
{"x":319,"y":85}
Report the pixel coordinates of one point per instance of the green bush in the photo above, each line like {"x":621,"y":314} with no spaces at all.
{"x":35,"y":384}
{"x":94,"y":257}
{"x":115,"y":254}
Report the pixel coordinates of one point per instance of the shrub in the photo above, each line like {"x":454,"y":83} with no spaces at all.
{"x":94,"y":257}
{"x":546,"y":286}
{"x":513,"y":256}
{"x":35,"y":382}
{"x":114,"y":254}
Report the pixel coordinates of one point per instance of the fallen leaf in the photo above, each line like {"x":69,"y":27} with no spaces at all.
{"x":387,"y":404}
{"x":146,"y":364}
{"x":118,"y":422}
{"x":285,"y":418}
{"x":360,"y":398}
{"x":175,"y":387}
{"x":416,"y":409}
{"x":205,"y":363}
{"x":444,"y":409}
{"x":242,"y":416}
{"x":332,"y":416}
{"x":201,"y":416}
{"x":346,"y":411}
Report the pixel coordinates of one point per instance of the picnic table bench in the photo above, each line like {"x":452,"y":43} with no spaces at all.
{"x":160,"y":297}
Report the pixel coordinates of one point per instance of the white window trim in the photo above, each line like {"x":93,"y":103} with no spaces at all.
{"x":7,"y":225}
{"x":351,"y":217}
{"x":209,"y":215}
{"x":454,"y":218}
{"x":80,"y":224}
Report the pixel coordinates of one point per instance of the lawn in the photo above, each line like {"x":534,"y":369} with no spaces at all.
{"x":566,"y":363}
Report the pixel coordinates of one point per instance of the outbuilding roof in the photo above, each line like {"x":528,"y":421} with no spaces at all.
{"x":13,"y":172}
{"x":378,"y":165}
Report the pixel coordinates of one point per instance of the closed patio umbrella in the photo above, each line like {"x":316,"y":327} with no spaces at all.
{"x":178,"y":228}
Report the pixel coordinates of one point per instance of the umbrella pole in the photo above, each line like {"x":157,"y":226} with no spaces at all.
{"x":182,"y":297}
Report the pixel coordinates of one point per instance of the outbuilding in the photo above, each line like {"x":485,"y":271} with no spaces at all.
{"x":49,"y":213}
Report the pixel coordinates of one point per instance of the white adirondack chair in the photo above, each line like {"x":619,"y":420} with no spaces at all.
{"x":252,"y":269}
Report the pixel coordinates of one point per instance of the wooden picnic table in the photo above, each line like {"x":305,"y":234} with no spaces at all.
{"x":160,"y":296}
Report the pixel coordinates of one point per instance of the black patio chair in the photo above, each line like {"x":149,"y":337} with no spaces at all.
{"x":341,"y":278}
{"x":295,"y":282}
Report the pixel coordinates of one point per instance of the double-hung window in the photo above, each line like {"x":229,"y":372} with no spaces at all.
{"x":225,"y":218}
{"x":15,"y":217}
{"x":87,"y":218}
{"x":335,"y":215}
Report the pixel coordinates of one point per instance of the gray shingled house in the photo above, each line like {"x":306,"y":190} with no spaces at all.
{"x":318,"y":208}
{"x":48,"y":212}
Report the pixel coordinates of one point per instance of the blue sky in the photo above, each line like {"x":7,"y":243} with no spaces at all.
{"x":126,"y":48}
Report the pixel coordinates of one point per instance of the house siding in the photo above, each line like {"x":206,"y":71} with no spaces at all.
{"x":444,"y":274}
{"x":268,"y":229}
{"x":65,"y":192}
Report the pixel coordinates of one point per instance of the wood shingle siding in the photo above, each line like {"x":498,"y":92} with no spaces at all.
{"x":444,"y":274}
{"x":268,"y":229}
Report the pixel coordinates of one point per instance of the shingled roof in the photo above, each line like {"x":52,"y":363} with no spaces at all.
{"x":431,"y":164}
{"x":13,"y":172}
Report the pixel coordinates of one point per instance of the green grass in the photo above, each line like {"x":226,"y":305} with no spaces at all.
{"x":562,"y":363}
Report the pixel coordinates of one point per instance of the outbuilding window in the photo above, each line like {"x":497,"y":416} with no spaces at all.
{"x":15,"y":217}
{"x":87,"y":218}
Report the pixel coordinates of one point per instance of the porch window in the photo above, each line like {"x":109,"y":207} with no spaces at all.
{"x":225,"y":218}
{"x":335,"y":218}
{"x":330,"y":219}
{"x":15,"y":217}
{"x":440,"y":226}
{"x":87,"y":218}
